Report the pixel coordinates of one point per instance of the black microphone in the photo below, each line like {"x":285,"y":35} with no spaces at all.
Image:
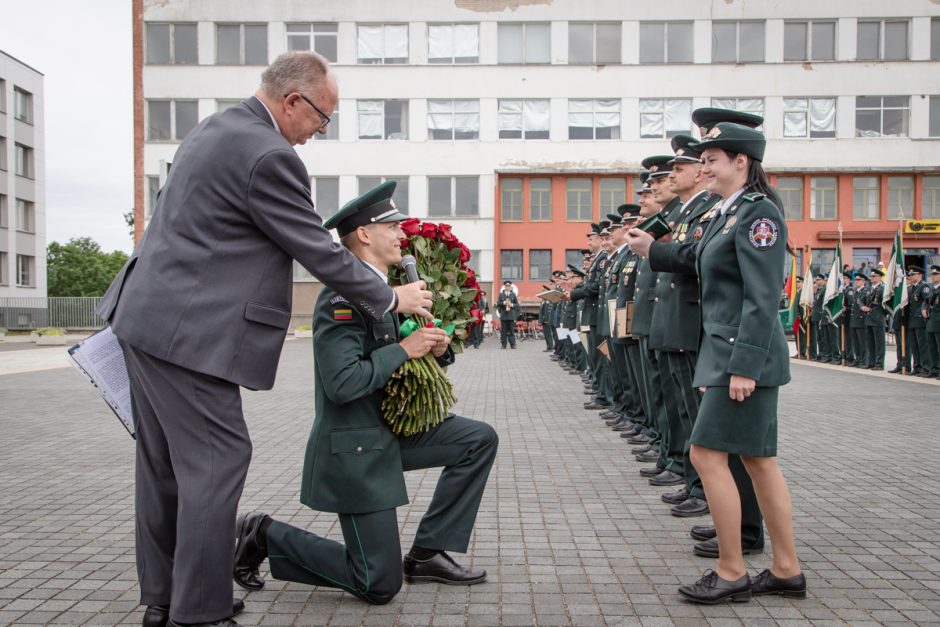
{"x":409,"y":266}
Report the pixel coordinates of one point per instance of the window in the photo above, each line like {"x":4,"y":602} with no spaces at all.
{"x":523,"y":43}
{"x":862,"y":257}
{"x":172,"y":44}
{"x":665,"y":118}
{"x":224,"y":104}
{"x":934,"y":130}
{"x":382,"y":119}
{"x":383,"y":43}
{"x":593,"y":43}
{"x":823,"y":198}
{"x":665,"y":42}
{"x":900,"y":197}
{"x":593,"y":119}
{"x":400,"y":197}
{"x":241,"y":44}
{"x":319,"y":37}
{"x":25,"y":216}
{"x":25,"y":270}
{"x":454,"y":196}
{"x":934,"y":45}
{"x":22,"y":105}
{"x":882,"y":116}
{"x":153,"y":189}
{"x":574,"y":258}
{"x":3,"y":153}
{"x":4,"y":218}
{"x":4,"y":279}
{"x":866,"y":198}
{"x":882,"y":40}
{"x":454,"y":43}
{"x":931,"y":198}
{"x":737,"y":42}
{"x":524,"y":119}
{"x":510,"y":196}
{"x":613,"y":193}
{"x":454,"y":119}
{"x":510,"y":265}
{"x":326,"y":195}
{"x":809,"y":117}
{"x":540,"y":265}
{"x":822,"y":260}
{"x":24,"y":161}
{"x":540,"y":200}
{"x":579,"y":200}
{"x":474,"y":263}
{"x":790,"y":189}
{"x":809,"y":41}
{"x":169,"y":120}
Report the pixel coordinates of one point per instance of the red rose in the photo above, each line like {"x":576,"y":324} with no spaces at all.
{"x":428,"y":230}
{"x":445,"y":235}
{"x":405,"y":243}
{"x":464,"y":254}
{"x":471,"y":283}
{"x":411,"y":226}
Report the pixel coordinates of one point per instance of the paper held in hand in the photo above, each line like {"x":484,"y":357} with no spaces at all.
{"x":99,"y":357}
{"x":552,"y":296}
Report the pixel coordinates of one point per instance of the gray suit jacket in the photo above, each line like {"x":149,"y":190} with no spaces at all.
{"x":209,"y":286}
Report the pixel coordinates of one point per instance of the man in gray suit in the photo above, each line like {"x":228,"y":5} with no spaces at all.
{"x":202,"y":307}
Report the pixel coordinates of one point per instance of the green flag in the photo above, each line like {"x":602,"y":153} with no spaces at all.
{"x":834,"y":294}
{"x":895,"y":294}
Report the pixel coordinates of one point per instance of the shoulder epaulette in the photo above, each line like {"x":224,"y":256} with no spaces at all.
{"x":754,"y":196}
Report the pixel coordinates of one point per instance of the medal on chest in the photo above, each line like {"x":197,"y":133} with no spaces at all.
{"x":729,"y":224}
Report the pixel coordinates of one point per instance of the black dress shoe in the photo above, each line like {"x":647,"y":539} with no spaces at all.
{"x":641,"y":449}
{"x":702,"y":532}
{"x":613,"y":422}
{"x":225,"y":622}
{"x":709,"y":548}
{"x":894,"y":371}
{"x":249,"y":551}
{"x":711,"y":589}
{"x":689,"y":508}
{"x":594,"y":405}
{"x":647,"y":457}
{"x":674,"y":498}
{"x":441,"y":569}
{"x":608,"y":413}
{"x":638,"y":439}
{"x":765,"y":583}
{"x":651,"y":471}
{"x":667,"y":477}
{"x":159,"y":615}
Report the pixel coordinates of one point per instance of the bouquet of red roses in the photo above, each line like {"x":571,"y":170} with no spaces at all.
{"x":419,"y":394}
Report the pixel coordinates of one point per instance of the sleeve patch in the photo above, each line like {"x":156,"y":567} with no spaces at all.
{"x":338,"y":299}
{"x":342,"y":313}
{"x":763,"y":233}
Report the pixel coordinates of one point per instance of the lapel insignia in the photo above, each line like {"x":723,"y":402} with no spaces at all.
{"x":699,"y":232}
{"x":729,"y":224}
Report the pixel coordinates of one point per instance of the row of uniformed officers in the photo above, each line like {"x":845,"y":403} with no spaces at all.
{"x":689,"y":367}
{"x":857,"y":336}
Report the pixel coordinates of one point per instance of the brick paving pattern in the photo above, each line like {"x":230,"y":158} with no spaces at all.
{"x":569,"y":532}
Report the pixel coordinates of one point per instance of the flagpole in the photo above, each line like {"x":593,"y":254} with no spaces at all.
{"x":903,"y":287}
{"x":841,"y":325}
{"x":807,"y":312}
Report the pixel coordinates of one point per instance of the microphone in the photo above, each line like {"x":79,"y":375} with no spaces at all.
{"x":409,"y":266}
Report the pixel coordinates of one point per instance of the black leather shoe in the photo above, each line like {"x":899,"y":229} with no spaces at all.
{"x":765,"y":583}
{"x":594,"y":405}
{"x":647,"y":457}
{"x":702,"y":532}
{"x":249,"y":553}
{"x":441,"y":569}
{"x":159,"y":615}
{"x":640,"y":449}
{"x":651,"y":471}
{"x":667,"y":477}
{"x":638,"y":439}
{"x":225,"y":622}
{"x":709,"y":548}
{"x":674,"y":498}
{"x":614,"y":422}
{"x":711,"y":589}
{"x":689,"y":508}
{"x":894,"y":371}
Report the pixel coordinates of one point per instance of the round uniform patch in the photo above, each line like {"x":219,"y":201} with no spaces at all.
{"x":763,"y":233}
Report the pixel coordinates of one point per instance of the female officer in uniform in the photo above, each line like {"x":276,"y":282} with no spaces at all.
{"x":743,"y":359}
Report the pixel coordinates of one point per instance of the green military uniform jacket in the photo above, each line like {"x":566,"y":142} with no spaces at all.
{"x":740,"y":259}
{"x":875,"y":317}
{"x":644,"y":295}
{"x":857,"y":319}
{"x":588,"y":291}
{"x":626,"y":287}
{"x":545,"y":313}
{"x":608,"y":289}
{"x":918,"y":301}
{"x":933,"y":307}
{"x":512,"y":314}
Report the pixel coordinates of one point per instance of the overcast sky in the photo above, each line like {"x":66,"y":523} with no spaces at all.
{"x":84,"y":50}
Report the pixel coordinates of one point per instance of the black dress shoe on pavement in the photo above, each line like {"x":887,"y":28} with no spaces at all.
{"x":250,"y":550}
{"x":689,"y":508}
{"x":674,"y":498}
{"x":712,"y":589}
{"x":593,"y":405}
{"x":441,"y":569}
{"x":608,"y":413}
{"x":225,"y":622}
{"x":765,"y":583}
{"x":702,"y":532}
{"x":640,"y":449}
{"x":647,"y":457}
{"x":667,"y":477}
{"x":638,"y":439}
{"x":614,"y":422}
{"x":709,"y":548}
{"x":895,"y":371}
{"x":159,"y":615}
{"x":651,"y":471}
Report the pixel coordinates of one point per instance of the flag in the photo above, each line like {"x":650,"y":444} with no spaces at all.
{"x":832,"y":300}
{"x":806,"y":296}
{"x":792,"y":296}
{"x":895,"y":295}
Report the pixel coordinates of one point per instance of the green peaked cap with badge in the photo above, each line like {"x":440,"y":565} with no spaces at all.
{"x":685,"y":153}
{"x":373,"y":207}
{"x":733,"y":138}
{"x":707,"y":117}
{"x":658,"y":165}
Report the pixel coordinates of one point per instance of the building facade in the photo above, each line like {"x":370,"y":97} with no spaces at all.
{"x":22,"y":176}
{"x":521,"y":121}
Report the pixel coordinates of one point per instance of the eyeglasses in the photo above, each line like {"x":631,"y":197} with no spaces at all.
{"x":326,"y":118}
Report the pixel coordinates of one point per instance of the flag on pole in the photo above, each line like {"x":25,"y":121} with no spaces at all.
{"x":792,"y":296}
{"x":806,"y":296}
{"x":832,"y":300}
{"x":895,"y":295}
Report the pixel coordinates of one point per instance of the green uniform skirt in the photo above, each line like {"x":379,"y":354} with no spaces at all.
{"x":746,"y":428}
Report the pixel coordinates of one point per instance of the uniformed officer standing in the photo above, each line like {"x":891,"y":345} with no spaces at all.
{"x":875,"y":321}
{"x":588,"y":291}
{"x":918,"y":302}
{"x":545,"y":315}
{"x":507,"y":304}
{"x":933,"y":320}
{"x":354,"y":464}
{"x":857,"y":323}
{"x":844,"y":326}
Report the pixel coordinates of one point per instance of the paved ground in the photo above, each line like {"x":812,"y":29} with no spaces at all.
{"x":568,"y":531}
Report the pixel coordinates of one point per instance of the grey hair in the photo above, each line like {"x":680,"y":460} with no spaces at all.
{"x":300,"y":71}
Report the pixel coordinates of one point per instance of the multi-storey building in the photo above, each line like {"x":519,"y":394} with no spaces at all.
{"x":22,"y":176}
{"x":520,"y":121}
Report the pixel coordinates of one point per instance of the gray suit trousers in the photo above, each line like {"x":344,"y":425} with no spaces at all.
{"x":193,"y":452}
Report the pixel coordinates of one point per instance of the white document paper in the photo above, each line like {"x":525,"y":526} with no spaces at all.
{"x":100,"y":358}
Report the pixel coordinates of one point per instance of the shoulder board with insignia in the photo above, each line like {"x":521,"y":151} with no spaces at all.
{"x":754,"y":196}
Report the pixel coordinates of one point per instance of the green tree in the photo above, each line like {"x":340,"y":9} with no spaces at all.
{"x":80,"y":268}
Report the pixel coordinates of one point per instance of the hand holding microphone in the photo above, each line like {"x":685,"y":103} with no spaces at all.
{"x":413,"y":298}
